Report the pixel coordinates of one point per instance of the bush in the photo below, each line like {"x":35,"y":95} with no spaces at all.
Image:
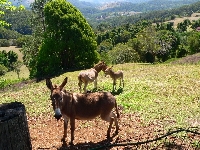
{"x":123,"y":54}
{"x":22,"y":40}
{"x":4,"y":43}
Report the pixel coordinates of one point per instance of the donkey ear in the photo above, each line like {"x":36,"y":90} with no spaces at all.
{"x":63,"y":83}
{"x":49,"y":83}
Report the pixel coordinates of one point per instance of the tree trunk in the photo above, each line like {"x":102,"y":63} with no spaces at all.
{"x":14,"y":132}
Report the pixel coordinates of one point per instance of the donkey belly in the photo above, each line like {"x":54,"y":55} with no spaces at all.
{"x":87,"y":115}
{"x":87,"y":112}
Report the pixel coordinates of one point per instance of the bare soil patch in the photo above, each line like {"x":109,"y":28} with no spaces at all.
{"x":46,"y":133}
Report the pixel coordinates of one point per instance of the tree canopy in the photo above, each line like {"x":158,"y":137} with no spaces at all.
{"x":69,"y":41}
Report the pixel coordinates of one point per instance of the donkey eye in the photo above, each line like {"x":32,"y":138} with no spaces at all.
{"x":60,"y":99}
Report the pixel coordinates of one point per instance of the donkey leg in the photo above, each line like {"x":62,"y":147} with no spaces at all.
{"x":66,"y":120}
{"x":109,"y":128}
{"x":85,"y":87}
{"x":114,"y":85}
{"x":95,"y":83}
{"x":114,"y":118}
{"x":110,"y":118}
{"x":72,"y":124}
{"x":80,"y":84}
{"x":116,"y":124}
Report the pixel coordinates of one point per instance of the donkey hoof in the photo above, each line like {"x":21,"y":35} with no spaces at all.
{"x":71,"y":143}
{"x":63,"y":140}
{"x":108,"y":136}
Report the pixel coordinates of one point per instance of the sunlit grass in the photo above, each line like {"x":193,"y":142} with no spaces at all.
{"x":168,"y":93}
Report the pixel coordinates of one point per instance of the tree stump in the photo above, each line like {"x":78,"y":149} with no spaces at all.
{"x":14,"y":132}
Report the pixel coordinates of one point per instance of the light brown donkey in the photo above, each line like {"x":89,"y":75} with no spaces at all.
{"x":90,"y":75}
{"x":115,"y":75}
{"x":82,"y":106}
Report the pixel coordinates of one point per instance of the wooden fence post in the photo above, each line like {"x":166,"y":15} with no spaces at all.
{"x":14,"y":132}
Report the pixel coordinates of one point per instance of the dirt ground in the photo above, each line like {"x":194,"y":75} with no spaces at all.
{"x":46,"y":133}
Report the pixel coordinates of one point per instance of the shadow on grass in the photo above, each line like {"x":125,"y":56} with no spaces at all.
{"x":119,"y":91}
{"x":115,"y":92}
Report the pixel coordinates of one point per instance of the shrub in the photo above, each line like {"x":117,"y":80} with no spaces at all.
{"x":123,"y":54}
{"x":22,"y":40}
{"x":4,"y":43}
{"x":3,"y":70}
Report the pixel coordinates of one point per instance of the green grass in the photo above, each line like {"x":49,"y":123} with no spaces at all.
{"x":168,"y":93}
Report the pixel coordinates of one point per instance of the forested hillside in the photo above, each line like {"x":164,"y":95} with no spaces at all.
{"x":153,"y":16}
{"x":143,"y":37}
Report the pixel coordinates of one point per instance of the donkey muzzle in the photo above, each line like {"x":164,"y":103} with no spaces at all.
{"x":58,"y":114}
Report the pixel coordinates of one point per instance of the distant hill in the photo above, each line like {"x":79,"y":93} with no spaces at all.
{"x":150,"y":9}
{"x":151,"y":5}
{"x":119,"y":5}
{"x":154,"y":16}
{"x":111,"y":1}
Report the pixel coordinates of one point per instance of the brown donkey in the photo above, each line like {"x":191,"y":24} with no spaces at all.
{"x":82,"y":106}
{"x":115,"y":75}
{"x":90,"y":75}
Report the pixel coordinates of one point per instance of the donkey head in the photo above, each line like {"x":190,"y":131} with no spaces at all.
{"x":100,"y":66}
{"x":56,"y":96}
{"x":108,"y":70}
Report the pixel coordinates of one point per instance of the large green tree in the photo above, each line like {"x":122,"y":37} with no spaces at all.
{"x":69,"y":41}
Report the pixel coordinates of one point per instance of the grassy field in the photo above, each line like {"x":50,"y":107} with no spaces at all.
{"x":193,"y":17}
{"x":165,"y":92}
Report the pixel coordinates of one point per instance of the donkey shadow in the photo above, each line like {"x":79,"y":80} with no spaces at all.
{"x":113,"y":92}
{"x":118,"y":91}
{"x":102,"y":145}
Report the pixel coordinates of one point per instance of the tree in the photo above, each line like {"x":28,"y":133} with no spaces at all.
{"x":19,"y":21}
{"x":194,"y":42}
{"x":122,"y":53}
{"x":182,"y":26}
{"x":6,"y":5}
{"x":8,"y":59}
{"x":148,"y":43}
{"x":195,"y":24}
{"x":69,"y":41}
{"x":168,"y":42}
{"x":16,"y":67}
